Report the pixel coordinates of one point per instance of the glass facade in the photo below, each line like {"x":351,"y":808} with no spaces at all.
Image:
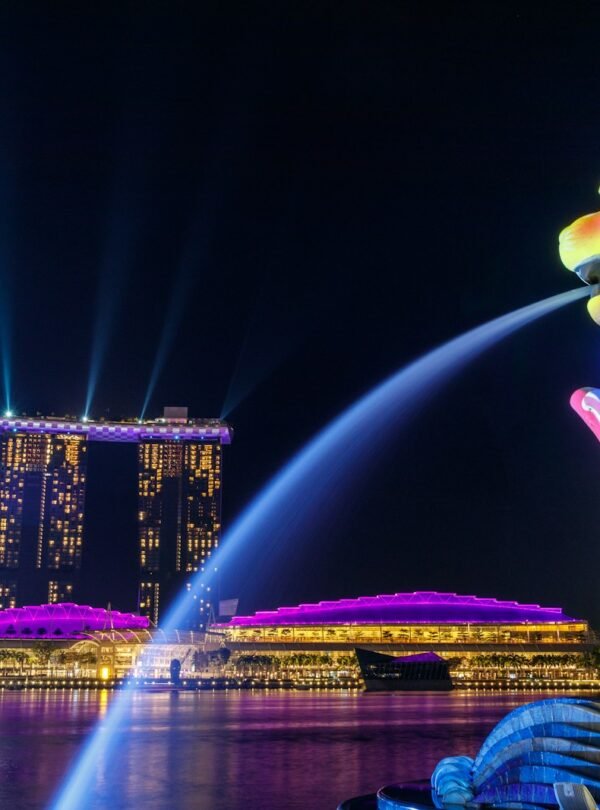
{"x":65,"y":494}
{"x":59,"y":591}
{"x":498,"y":655}
{"x":430,"y":636}
{"x":42,"y":492}
{"x":8,"y":592}
{"x":179,"y":489}
{"x":484,"y":640}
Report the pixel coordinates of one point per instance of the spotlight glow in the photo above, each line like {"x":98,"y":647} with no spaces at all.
{"x":193,"y":256}
{"x":8,"y":413}
{"x":172,"y":319}
{"x":123,"y":233}
{"x":327,"y":458}
{"x":5,"y":357}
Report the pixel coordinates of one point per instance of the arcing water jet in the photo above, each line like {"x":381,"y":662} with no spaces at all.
{"x":327,"y":458}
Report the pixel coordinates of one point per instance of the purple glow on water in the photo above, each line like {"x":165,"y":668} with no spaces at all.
{"x":421,"y":607}
{"x":239,"y":750}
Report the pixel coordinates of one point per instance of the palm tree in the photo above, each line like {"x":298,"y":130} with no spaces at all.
{"x":43,"y":651}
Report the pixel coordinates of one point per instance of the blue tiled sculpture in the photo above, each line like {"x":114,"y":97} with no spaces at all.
{"x":527,"y":752}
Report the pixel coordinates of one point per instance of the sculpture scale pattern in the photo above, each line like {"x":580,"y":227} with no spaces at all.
{"x":536,"y":745}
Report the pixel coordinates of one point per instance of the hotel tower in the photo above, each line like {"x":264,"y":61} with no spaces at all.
{"x":43,"y":466}
{"x":42,"y":491}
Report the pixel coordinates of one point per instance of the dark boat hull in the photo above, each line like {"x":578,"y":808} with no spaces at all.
{"x":410,"y":673}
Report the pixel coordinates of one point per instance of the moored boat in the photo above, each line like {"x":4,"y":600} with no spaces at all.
{"x":423,"y":672}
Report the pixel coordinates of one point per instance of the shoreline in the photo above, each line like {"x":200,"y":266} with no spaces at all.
{"x":16,"y":684}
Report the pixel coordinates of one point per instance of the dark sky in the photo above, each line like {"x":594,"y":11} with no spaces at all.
{"x":310,"y":195}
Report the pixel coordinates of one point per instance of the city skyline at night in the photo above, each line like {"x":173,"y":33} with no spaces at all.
{"x":43,"y":476}
{"x":365,"y":235}
{"x":246,"y":234}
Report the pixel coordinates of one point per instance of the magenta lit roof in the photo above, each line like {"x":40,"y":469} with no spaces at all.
{"x":421,"y":607}
{"x":64,"y":620}
{"x":192,"y":430}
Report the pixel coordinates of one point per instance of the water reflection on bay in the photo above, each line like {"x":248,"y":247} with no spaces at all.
{"x":234,"y":750}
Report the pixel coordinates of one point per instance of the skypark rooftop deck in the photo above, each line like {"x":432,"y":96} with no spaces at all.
{"x":134,"y":431}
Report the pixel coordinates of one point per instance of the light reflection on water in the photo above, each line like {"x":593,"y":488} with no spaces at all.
{"x":234,"y":750}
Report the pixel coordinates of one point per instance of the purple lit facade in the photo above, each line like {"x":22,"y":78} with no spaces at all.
{"x":421,"y":607}
{"x":65,"y":620}
{"x":192,"y":430}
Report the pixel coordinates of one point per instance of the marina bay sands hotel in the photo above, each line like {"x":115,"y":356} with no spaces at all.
{"x":43,"y":473}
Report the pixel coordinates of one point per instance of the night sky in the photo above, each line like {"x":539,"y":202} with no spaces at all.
{"x":293,"y":200}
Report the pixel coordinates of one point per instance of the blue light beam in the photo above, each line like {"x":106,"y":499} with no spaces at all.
{"x":116,"y":264}
{"x":133,"y":146}
{"x":7,"y":298}
{"x":195,"y":252}
{"x":324,"y":459}
{"x":5,"y":343}
{"x":177,"y":302}
{"x":259,"y":354}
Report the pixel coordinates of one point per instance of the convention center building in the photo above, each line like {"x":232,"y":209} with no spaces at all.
{"x":483,"y":639}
